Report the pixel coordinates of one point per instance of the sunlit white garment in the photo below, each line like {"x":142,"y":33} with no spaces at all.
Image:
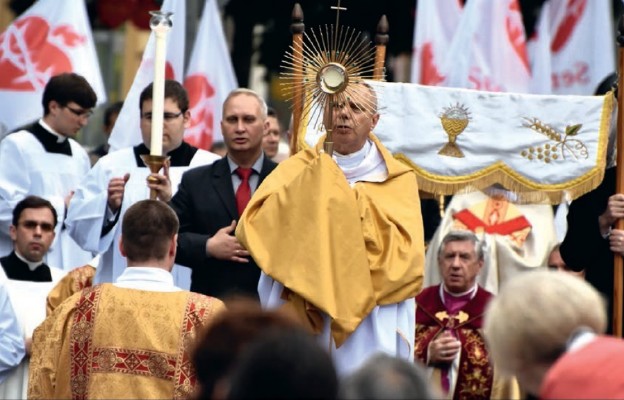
{"x":29,"y":302}
{"x":389,"y":328}
{"x":26,"y":168}
{"x":87,"y":211}
{"x":11,"y":339}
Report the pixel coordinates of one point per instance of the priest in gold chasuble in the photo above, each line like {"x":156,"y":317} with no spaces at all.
{"x":340,"y":239}
{"x":129,"y":339}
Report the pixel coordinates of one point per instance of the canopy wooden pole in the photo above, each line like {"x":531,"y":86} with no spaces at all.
{"x":618,"y":262}
{"x":381,"y":40}
{"x":297,"y":27}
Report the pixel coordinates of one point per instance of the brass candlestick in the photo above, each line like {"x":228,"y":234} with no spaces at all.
{"x":155,"y":164}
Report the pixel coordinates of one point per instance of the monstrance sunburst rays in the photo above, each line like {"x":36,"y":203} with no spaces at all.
{"x":333,"y":60}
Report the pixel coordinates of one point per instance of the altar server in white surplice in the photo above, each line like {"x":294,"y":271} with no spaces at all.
{"x":28,"y":280}
{"x":12,"y":346}
{"x":119,"y":179}
{"x":44,"y":160}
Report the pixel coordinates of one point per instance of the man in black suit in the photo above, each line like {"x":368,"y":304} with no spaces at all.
{"x":211,"y":198}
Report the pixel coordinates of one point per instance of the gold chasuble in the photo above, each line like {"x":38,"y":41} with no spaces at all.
{"x":75,"y":280}
{"x":339,"y":249}
{"x":112,"y":343}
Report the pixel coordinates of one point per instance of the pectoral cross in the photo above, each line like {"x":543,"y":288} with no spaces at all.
{"x":460,"y":317}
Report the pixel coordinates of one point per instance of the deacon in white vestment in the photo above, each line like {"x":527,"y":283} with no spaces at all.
{"x":341,"y":241}
{"x":44,"y":160}
{"x":517,"y":237}
{"x":120,"y":179}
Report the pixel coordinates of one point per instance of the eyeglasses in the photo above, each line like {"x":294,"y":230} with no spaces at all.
{"x":166,"y":116}
{"x":80,"y":112}
{"x":32,"y":225}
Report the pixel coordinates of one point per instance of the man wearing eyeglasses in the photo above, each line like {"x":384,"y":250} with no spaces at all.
{"x":29,"y":277}
{"x":118,"y":180}
{"x":45,"y":160}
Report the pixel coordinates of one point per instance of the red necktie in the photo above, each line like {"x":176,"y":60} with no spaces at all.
{"x":243,"y":193}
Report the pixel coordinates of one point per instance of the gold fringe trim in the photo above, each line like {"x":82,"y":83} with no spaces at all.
{"x":527,"y":191}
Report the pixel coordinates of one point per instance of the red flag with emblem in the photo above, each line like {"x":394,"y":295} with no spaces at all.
{"x":209,"y":79}
{"x":44,"y":41}
{"x":436,"y":24}
{"x":127,"y":129}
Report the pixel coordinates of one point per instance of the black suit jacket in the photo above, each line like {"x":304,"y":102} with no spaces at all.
{"x":583,"y":246}
{"x":205,"y":202}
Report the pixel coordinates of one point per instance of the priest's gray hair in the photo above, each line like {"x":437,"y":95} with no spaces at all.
{"x":528,"y":324}
{"x":462,"y":236}
{"x":387,"y":377}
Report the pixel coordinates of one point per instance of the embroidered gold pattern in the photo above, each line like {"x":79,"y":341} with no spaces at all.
{"x":562,"y":144}
{"x":106,"y":360}
{"x":198,"y":310}
{"x":454,"y":120}
{"x":476,"y":371}
{"x":80,"y":338}
{"x":134,"y":362}
{"x":421,"y":341}
{"x":158,"y":366}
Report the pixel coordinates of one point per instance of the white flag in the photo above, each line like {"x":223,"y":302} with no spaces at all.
{"x":582,"y":45}
{"x":209,"y":79}
{"x":44,"y":41}
{"x":127,"y":129}
{"x":436,"y":24}
{"x":489,"y":50}
{"x":538,"y":50}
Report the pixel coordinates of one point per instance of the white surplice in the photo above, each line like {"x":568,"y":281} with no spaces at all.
{"x":26,"y":168}
{"x":87,"y":211}
{"x":12,"y":347}
{"x":29,"y":302}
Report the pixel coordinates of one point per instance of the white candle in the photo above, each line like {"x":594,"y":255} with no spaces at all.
{"x":160,"y":25}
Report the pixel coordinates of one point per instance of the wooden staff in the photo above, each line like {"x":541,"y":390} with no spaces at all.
{"x":297,"y":27}
{"x":618,"y":262}
{"x":381,"y":40}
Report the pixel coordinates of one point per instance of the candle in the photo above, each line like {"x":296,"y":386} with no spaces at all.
{"x":160,"y":25}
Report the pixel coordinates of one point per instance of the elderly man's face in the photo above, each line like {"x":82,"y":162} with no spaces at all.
{"x":459,"y":266}
{"x":354,"y":120}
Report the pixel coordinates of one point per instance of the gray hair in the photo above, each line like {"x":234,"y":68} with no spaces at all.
{"x":386,"y":377}
{"x":462,"y":236}
{"x":531,"y":319}
{"x":264,"y":109}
